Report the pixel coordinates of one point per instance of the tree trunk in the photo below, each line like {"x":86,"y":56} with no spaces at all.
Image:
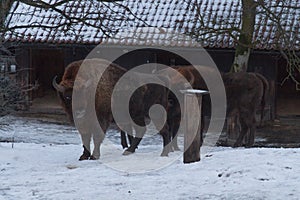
{"x":5,"y":6}
{"x":244,"y":45}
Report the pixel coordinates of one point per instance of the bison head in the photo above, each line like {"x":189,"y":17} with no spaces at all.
{"x":65,"y":96}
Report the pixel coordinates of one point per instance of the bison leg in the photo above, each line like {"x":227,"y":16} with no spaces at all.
{"x":86,"y":154}
{"x":136,"y":141}
{"x":123,"y":140}
{"x":127,"y":130}
{"x":251,"y":137}
{"x":174,"y":126}
{"x":167,"y":147}
{"x":175,"y":146}
{"x":86,"y":139}
{"x":244,"y":130}
{"x":140,"y":131}
{"x":130,"y":138}
{"x":97,"y":139}
{"x":164,"y":132}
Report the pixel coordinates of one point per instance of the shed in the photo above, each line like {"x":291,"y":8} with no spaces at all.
{"x":45,"y":40}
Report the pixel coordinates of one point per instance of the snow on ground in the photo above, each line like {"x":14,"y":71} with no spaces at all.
{"x":43,"y":164}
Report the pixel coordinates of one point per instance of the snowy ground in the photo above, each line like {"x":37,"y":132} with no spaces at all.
{"x":42,"y":164}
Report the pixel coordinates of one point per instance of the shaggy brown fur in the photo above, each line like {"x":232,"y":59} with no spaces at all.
{"x":65,"y":91}
{"x":265,"y":96}
{"x":142,"y":99}
{"x":244,"y":95}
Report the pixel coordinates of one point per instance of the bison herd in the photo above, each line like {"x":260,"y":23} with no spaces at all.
{"x":245,"y":94}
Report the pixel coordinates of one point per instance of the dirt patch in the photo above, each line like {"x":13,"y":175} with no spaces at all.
{"x":289,"y":105}
{"x":54,"y":118}
{"x":280,"y":133}
{"x":46,"y":109}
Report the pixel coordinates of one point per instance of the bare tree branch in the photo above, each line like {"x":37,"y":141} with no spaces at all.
{"x":288,"y":52}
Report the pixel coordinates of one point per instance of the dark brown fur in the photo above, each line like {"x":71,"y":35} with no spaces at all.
{"x":265,"y":96}
{"x":244,"y":93}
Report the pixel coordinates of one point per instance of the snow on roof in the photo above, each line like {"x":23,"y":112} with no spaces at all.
{"x":211,"y":23}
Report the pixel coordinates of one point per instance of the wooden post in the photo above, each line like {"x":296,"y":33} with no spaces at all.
{"x":192,"y":135}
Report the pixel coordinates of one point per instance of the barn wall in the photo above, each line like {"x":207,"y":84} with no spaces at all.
{"x":73,"y":53}
{"x":46,"y":63}
{"x":36,"y":56}
{"x":222,"y":58}
{"x":130,"y":58}
{"x":23,"y":67}
{"x":23,"y":63}
{"x":288,"y":95}
{"x":40,"y":63}
{"x":133,"y":59}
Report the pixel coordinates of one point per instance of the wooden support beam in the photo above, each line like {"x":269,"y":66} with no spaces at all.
{"x":192,"y":136}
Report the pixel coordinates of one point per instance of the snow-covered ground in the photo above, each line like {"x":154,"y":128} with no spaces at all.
{"x":43,"y":163}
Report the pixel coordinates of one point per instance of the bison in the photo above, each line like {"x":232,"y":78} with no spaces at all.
{"x":65,"y":92}
{"x":140,"y":102}
{"x":244,"y":93}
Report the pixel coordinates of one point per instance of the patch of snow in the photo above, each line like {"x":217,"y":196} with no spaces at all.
{"x":38,"y":168}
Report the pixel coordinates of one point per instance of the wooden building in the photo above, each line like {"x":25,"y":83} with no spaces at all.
{"x":45,"y":50}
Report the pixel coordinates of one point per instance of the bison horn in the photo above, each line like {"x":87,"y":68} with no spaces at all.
{"x":58,"y":87}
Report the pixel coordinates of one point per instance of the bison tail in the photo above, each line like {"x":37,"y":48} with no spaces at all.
{"x":264,"y":96}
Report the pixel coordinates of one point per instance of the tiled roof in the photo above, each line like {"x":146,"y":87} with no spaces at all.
{"x":168,"y":19}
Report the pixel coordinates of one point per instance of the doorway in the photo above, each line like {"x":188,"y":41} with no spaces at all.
{"x":288,"y":94}
{"x":45,"y":65}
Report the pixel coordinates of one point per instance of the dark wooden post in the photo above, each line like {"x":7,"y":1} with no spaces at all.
{"x":192,"y":135}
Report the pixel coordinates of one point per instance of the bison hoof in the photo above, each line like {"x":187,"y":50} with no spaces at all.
{"x":125,"y":153}
{"x":236,"y":145}
{"x":248,"y":145}
{"x":86,"y":154}
{"x":176,"y":148}
{"x":165,"y":153}
{"x":93,"y":158}
{"x":84,"y":157}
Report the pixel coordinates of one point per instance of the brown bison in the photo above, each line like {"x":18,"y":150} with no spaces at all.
{"x":244,"y":93}
{"x":140,"y":102}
